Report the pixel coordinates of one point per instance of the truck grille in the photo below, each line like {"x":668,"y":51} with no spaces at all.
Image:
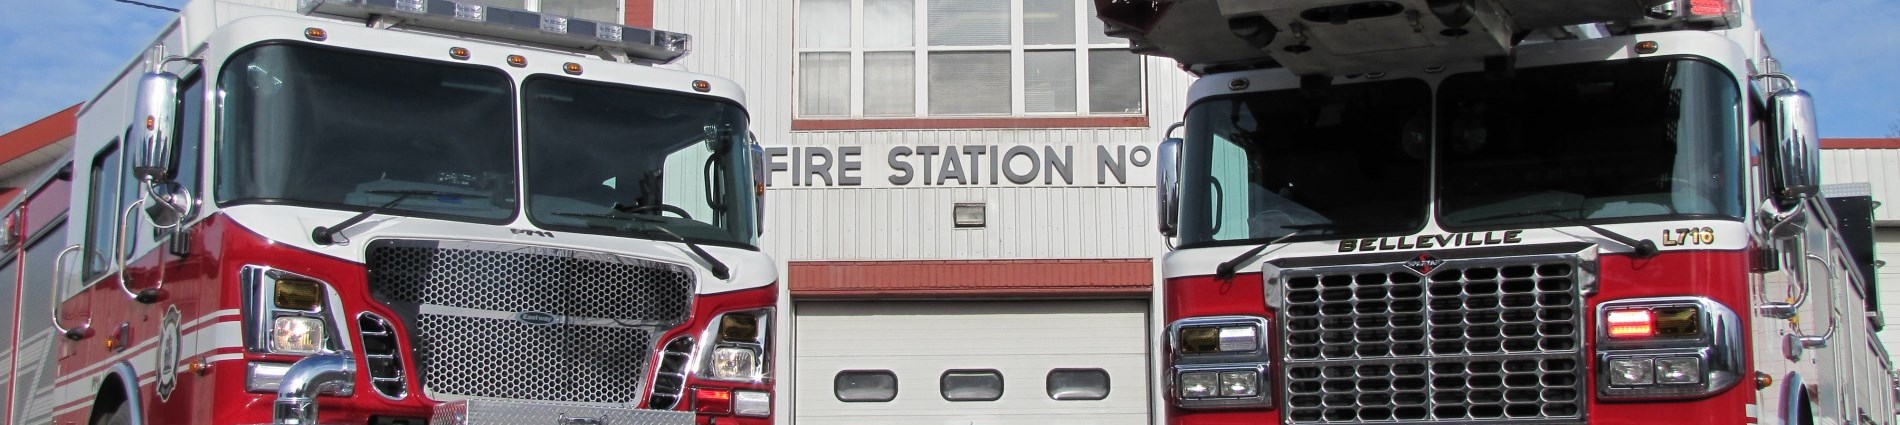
{"x":524,"y":322}
{"x":1472,"y":340}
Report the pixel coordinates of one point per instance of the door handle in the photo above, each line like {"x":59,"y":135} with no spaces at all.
{"x":76,"y":333}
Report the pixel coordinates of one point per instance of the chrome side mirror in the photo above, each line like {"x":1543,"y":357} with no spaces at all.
{"x":1168,"y":182}
{"x":1794,"y":162}
{"x":758,"y":180}
{"x":152,"y":120}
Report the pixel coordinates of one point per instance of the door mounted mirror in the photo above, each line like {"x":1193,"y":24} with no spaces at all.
{"x":1167,"y":182}
{"x":152,"y":121}
{"x":1794,"y":160}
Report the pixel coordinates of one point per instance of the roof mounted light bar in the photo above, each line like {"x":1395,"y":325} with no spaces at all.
{"x":614,"y":40}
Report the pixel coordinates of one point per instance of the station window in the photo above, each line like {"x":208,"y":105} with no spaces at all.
{"x":960,"y":58}
{"x":865,"y":386}
{"x":1078,"y":384}
{"x":971,"y":385}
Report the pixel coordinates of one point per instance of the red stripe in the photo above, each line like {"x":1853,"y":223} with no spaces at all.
{"x":640,"y":13}
{"x":971,"y":278}
{"x":131,"y":354}
{"x":1884,"y":143}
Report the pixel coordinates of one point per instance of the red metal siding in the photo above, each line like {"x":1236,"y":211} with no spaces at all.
{"x":971,"y":278}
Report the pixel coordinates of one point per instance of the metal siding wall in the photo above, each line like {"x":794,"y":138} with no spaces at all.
{"x":751,"y":44}
{"x":1881,"y":167}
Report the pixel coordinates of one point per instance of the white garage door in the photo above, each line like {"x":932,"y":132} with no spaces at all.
{"x":1091,"y":352}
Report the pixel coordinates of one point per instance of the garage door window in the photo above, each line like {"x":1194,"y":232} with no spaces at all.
{"x":875,"y":386}
{"x":972,"y":385}
{"x":1078,"y":384}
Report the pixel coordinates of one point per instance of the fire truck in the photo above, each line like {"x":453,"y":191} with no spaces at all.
{"x":397,"y":212}
{"x":1500,"y":211}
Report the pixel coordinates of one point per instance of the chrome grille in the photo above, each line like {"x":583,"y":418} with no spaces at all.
{"x":463,"y":302}
{"x":383,"y":360}
{"x":1470,"y":341}
{"x":669,"y":382}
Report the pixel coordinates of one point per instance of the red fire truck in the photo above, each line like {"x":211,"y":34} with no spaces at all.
{"x":1501,"y":211}
{"x":397,"y":212}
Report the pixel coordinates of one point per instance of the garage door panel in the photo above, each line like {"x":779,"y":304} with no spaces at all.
{"x":1023,"y":341}
{"x":897,"y":333}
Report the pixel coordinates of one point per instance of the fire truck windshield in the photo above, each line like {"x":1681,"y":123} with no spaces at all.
{"x":1598,"y":142}
{"x":1579,"y":144}
{"x":325,"y":128}
{"x":622,"y":160}
{"x":1351,"y":161}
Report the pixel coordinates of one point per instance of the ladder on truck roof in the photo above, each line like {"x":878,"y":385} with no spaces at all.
{"x":1345,"y":37}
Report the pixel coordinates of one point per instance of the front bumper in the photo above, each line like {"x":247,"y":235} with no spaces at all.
{"x":482,"y":412}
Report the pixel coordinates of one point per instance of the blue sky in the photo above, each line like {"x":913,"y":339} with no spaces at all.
{"x":1846,"y":52}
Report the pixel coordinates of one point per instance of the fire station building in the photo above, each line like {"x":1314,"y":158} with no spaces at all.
{"x":961,"y":198}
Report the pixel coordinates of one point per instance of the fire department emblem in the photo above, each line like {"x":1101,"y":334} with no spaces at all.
{"x":1424,"y":263}
{"x":167,"y":353}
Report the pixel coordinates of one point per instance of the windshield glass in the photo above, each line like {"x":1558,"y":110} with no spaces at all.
{"x":1344,"y":162}
{"x":1598,"y":142}
{"x":620,"y":160}
{"x":317,"y":127}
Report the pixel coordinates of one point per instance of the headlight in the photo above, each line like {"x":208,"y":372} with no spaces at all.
{"x":1678,"y":370}
{"x":287,"y":313}
{"x":1628,"y":372}
{"x":297,"y":294}
{"x":1220,"y":362}
{"x":1198,"y":384}
{"x":1219,"y":339}
{"x":296,"y":335}
{"x":1239,"y":384}
{"x":733,"y":363}
{"x":1667,"y":348}
{"x":736,"y":345}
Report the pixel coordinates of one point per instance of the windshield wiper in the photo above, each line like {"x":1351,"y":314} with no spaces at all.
{"x":718,"y":268}
{"x":1227,"y":268}
{"x":1644,"y":248}
{"x":327,"y":235}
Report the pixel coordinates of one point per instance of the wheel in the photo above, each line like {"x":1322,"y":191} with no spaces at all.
{"x":118,"y":416}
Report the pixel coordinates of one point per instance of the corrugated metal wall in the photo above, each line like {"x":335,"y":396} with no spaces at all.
{"x":1881,"y":167}
{"x":750,"y":42}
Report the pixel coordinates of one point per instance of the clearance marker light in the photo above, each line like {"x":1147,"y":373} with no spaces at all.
{"x":1708,"y":7}
{"x":315,"y":34}
{"x":712,"y":400}
{"x":459,"y":53}
{"x":517,"y":61}
{"x":571,"y":68}
{"x":1631,"y":324}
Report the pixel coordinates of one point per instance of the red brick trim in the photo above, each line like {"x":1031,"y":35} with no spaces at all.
{"x":639,"y":13}
{"x":39,"y":134}
{"x":1882,"y":143}
{"x":1098,"y":278}
{"x":963,"y":123}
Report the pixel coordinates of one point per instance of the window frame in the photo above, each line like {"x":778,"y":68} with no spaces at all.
{"x":920,"y":50}
{"x":111,"y":152}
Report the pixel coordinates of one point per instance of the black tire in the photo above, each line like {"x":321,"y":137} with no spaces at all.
{"x":119,"y":415}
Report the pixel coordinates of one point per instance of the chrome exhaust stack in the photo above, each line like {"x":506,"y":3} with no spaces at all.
{"x":297,"y":395}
